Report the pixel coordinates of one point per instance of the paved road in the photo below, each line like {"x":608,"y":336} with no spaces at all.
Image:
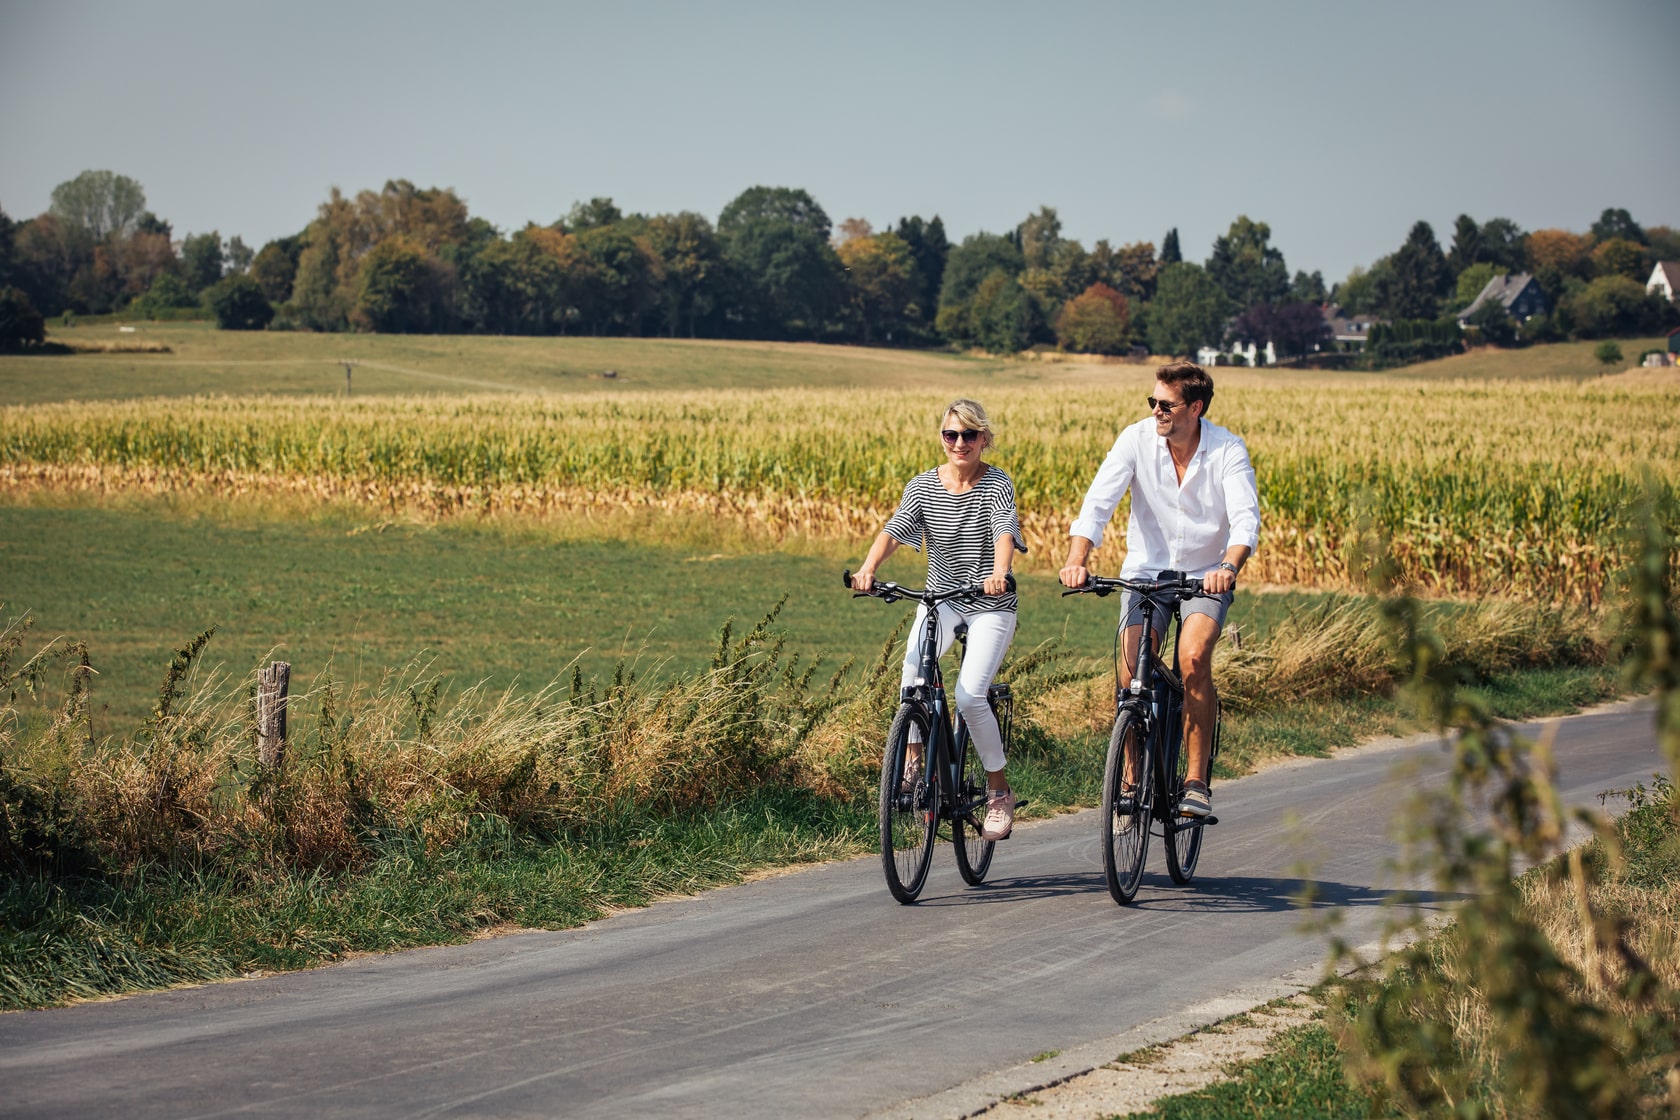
{"x":811,"y":994}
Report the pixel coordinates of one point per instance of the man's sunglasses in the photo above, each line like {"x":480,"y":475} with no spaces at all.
{"x":968,"y":435}
{"x":1165,"y":406}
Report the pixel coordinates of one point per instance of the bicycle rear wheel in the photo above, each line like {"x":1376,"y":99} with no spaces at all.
{"x":1125,"y":812}
{"x":1184,"y":834}
{"x":909,"y":806}
{"x":974,"y":852}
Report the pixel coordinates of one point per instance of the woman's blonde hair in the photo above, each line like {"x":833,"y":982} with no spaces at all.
{"x":972,"y":415}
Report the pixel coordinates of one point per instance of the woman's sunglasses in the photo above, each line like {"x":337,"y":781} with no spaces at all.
{"x":968,"y":435}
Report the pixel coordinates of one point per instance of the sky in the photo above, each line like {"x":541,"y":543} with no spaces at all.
{"x":1339,"y":124}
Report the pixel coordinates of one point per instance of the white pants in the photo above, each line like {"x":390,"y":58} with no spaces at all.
{"x":989,"y":634}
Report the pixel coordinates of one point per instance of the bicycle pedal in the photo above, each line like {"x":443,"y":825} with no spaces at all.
{"x":1022,"y":804}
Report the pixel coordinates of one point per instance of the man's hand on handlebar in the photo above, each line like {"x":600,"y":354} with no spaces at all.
{"x":1075,"y":576}
{"x":1219,"y":581}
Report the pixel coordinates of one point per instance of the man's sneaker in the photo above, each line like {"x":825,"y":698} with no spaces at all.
{"x":1000,"y":814}
{"x":1197,"y":800}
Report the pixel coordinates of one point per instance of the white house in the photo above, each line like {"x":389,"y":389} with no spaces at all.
{"x":1665,"y":278}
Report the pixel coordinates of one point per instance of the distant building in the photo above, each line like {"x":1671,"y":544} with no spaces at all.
{"x":1349,"y":331}
{"x":1519,"y":293}
{"x":1665,"y":278}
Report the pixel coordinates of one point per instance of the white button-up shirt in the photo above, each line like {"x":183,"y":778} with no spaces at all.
{"x":1175,"y":526}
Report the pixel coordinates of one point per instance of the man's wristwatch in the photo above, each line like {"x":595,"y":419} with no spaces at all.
{"x":1228,"y":566}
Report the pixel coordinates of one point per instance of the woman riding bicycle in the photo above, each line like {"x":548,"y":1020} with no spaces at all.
{"x":965,"y":509}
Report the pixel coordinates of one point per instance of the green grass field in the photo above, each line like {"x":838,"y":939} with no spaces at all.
{"x":204,"y":360}
{"x":501,"y":602}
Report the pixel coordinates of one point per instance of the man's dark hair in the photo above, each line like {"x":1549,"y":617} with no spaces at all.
{"x":1191,"y":379}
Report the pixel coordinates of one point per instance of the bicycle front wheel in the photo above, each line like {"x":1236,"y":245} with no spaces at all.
{"x":1127,"y":794}
{"x":909,"y":805}
{"x":974,"y":852}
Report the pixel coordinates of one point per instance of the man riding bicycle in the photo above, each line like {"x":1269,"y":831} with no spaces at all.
{"x":1196,"y":514}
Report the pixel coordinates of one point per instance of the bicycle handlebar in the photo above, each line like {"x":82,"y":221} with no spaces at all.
{"x":1182,"y":588}
{"x":892,"y":592}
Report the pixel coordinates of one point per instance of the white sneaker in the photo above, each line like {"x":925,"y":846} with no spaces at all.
{"x":1000,"y":814}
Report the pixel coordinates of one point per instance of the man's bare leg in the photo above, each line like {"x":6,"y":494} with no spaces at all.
{"x":1196,"y":639}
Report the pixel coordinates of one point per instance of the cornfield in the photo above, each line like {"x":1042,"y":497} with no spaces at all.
{"x":1517,"y":489}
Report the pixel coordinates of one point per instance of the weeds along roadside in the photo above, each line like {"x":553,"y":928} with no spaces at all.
{"x":168,"y":854}
{"x":1555,"y":989}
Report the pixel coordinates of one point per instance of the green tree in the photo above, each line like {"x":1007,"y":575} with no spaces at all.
{"x":1421,"y":277}
{"x":777,"y":241}
{"x":1189,"y":310}
{"x":239,"y":304}
{"x":1006,"y":318}
{"x":20,"y":324}
{"x":1466,"y":244}
{"x":1039,"y":237}
{"x":202,"y":260}
{"x":515,"y":286}
{"x":594,"y":214}
{"x":929,"y":245}
{"x":1247,"y":267}
{"x":691,"y":268}
{"x":1308,"y":289}
{"x":1607,"y":353}
{"x":1664,"y":243}
{"x":1617,"y":256}
{"x":1098,"y":321}
{"x":1616,"y":222}
{"x":968,"y":266}
{"x":882,"y":284}
{"x":618,"y":291}
{"x":275,"y":267}
{"x":400,"y":289}
{"x":1613,"y":305}
{"x":1493,"y":322}
{"x":1471,"y":281}
{"x":1170,"y":253}
{"x":99,"y":204}
{"x":1504,"y":244}
{"x":239,"y":255}
{"x":167,"y":292}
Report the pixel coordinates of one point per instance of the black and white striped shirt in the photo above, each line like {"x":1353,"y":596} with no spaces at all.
{"x":961,"y":531}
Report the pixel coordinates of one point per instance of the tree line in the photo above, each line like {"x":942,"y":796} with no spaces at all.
{"x":405,"y":259}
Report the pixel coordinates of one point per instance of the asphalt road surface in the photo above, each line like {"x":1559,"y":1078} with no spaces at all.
{"x":809,"y":994}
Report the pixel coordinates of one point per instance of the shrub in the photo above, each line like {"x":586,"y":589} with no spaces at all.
{"x":239,"y":304}
{"x":1406,"y":341}
{"x":20,"y":324}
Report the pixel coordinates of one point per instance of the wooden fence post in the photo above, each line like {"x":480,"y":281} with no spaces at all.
{"x":272,"y":684}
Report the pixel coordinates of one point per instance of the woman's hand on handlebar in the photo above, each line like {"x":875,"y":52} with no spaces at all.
{"x":863,"y":580}
{"x":996,"y":585}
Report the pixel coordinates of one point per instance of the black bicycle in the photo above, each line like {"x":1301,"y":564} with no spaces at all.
{"x":1144,"y":776}
{"x":944,"y":780}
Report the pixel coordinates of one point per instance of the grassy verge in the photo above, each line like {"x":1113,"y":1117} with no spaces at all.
{"x":1304,"y":1074}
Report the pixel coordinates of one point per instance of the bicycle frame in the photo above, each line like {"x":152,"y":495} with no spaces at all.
{"x":945,"y":726}
{"x":1155,"y":693}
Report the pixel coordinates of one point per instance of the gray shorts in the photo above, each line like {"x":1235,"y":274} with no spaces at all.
{"x":1214,"y":606}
